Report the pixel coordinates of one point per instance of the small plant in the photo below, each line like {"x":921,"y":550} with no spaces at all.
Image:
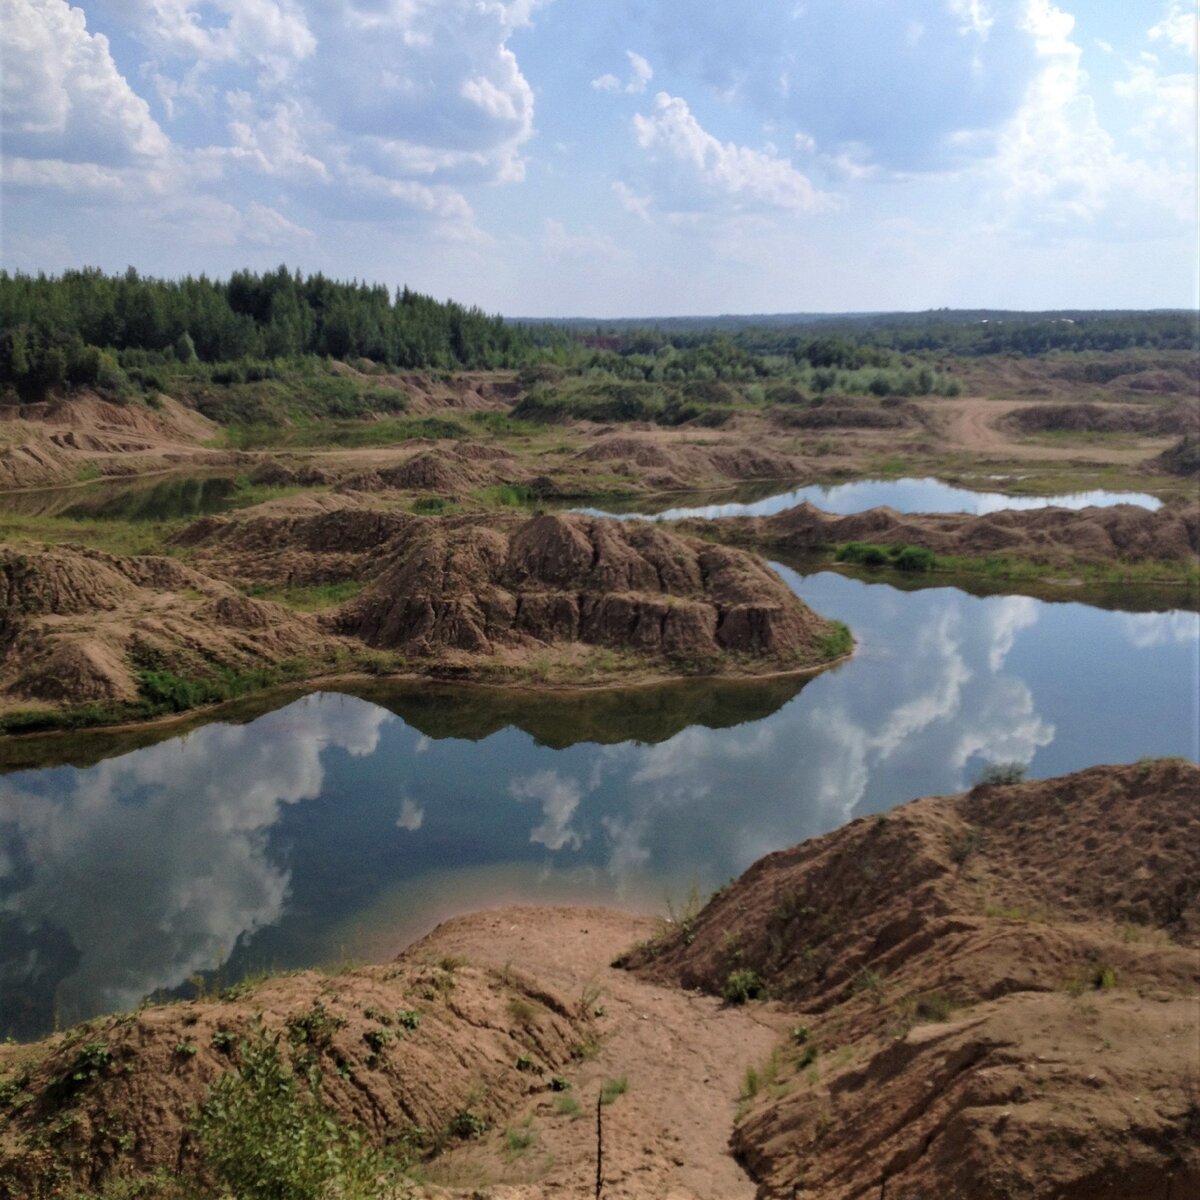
{"x":525,"y":1063}
{"x":962,"y":848}
{"x":567,"y":1106}
{"x":559,"y":1084}
{"x":520,"y":1010}
{"x":315,"y":1028}
{"x":408,"y":1018}
{"x":517,"y":1141}
{"x":378,"y":1039}
{"x":867,"y":981}
{"x":224,"y":1040}
{"x":744,"y":984}
{"x":612,"y":1088}
{"x":186,"y":1049}
{"x":1003,"y":774}
{"x":89,"y":1063}
{"x":799,"y":1034}
{"x":467,"y":1125}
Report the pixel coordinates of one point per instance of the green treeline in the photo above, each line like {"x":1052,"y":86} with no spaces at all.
{"x":88,"y":328}
{"x":949,"y":331}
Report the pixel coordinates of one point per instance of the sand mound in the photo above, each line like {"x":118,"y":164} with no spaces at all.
{"x":670,"y":465}
{"x":442,"y":470}
{"x":1183,"y":458}
{"x":77,"y":626}
{"x":999,"y":1001}
{"x":1120,"y":533}
{"x":424,"y":1051}
{"x":1145,"y":419}
{"x":845,"y":416}
{"x":299,"y":540}
{"x":467,"y":586}
{"x":52,"y":440}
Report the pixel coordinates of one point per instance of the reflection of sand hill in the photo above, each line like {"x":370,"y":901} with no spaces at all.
{"x":1121,"y":533}
{"x":975,"y":1010}
{"x":79,"y":626}
{"x":996,"y":1013}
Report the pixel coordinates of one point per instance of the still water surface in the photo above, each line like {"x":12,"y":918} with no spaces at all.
{"x":340,"y":826}
{"x":904,"y":495}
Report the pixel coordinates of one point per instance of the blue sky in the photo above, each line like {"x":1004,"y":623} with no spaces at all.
{"x":616,"y":157}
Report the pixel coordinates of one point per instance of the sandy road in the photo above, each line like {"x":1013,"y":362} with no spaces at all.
{"x":974,"y":424}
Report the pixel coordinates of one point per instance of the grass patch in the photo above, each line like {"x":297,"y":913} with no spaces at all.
{"x":312,"y":598}
{"x":612,"y":1088}
{"x":316,"y":435}
{"x":744,"y":984}
{"x":838,"y":642}
{"x":902,"y":558}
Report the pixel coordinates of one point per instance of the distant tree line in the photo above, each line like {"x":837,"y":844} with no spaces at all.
{"x":853,"y":341}
{"x":87,"y":328}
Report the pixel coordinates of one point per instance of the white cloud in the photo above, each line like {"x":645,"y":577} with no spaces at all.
{"x":274,"y":144}
{"x":1166,"y":102}
{"x":559,"y":245}
{"x":412,"y":815}
{"x":640,"y":74}
{"x":631,"y":202}
{"x":671,"y":133}
{"x":974,"y":16}
{"x":1177,"y":28}
{"x":63,"y":97}
{"x":188,"y":861}
{"x":273,"y":33}
{"x":559,"y":799}
{"x":1057,"y":164}
{"x":1146,"y":630}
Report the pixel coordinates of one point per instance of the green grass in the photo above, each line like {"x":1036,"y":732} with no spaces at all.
{"x":838,"y":642}
{"x":612,"y":1088}
{"x":311,"y":598}
{"x":316,"y":435}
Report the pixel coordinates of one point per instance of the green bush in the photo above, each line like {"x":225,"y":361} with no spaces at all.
{"x":1003,"y":774}
{"x":744,"y":984}
{"x":267,"y":1135}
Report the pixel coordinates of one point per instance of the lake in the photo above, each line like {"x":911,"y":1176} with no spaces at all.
{"x":904,"y":495}
{"x":338,"y":827}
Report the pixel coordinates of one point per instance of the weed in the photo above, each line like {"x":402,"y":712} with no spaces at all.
{"x":467,"y":1125}
{"x":408,"y":1018}
{"x":867,"y":981}
{"x":963,"y":847}
{"x":521,"y":1011}
{"x":186,"y":1049}
{"x":744,"y":984}
{"x":517,"y":1141}
{"x":838,"y":642}
{"x":612,"y":1088}
{"x":567,"y":1106}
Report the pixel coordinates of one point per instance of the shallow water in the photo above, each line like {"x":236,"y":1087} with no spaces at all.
{"x":159,"y":498}
{"x":904,"y":495}
{"x":339,"y":827}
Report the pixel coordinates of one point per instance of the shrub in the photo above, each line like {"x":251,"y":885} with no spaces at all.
{"x":266,"y":1135}
{"x":742,"y":985}
{"x":1002,"y":774}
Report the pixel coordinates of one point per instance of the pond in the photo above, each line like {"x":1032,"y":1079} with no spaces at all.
{"x":904,"y":495}
{"x":338,"y":827}
{"x":157,"y":498}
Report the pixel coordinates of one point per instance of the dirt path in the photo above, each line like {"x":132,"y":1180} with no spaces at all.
{"x":684,"y":1056}
{"x":974,"y":424}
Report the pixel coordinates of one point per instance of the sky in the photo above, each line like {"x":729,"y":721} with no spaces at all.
{"x":615,"y":157}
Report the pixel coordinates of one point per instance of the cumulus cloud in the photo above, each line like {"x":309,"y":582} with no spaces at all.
{"x":899,"y":79}
{"x":1177,"y":28}
{"x":671,"y":134}
{"x":63,"y":97}
{"x":559,"y":798}
{"x":1055,"y":161}
{"x":412,"y":815}
{"x":186,"y":862}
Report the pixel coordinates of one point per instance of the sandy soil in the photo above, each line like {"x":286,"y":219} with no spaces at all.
{"x":977,"y":425}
